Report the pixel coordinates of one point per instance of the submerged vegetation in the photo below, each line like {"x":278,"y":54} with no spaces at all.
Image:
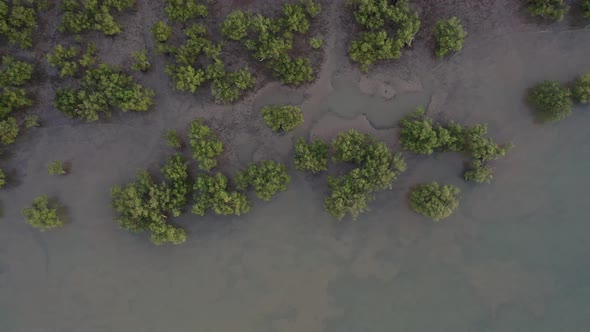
{"x":434,"y":201}
{"x":56,"y":168}
{"x":377,"y":18}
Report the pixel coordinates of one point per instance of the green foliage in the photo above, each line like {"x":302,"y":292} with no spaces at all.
{"x":449,"y":36}
{"x":2,"y":179}
{"x":31,"y":121}
{"x":377,"y":169}
{"x":56,"y":168}
{"x":585,"y":7}
{"x":271,"y":40}
{"x":70,"y":59}
{"x":173,"y":139}
{"x":267,"y":177}
{"x":434,"y":201}
{"x":97,"y":15}
{"x":316,"y":42}
{"x":211,"y":193}
{"x":17,"y":22}
{"x":311,"y":157}
{"x":282,"y":118}
{"x":229,"y":87}
{"x":161,"y":32}
{"x":375,"y":43}
{"x":293,"y":71}
{"x":141,"y":61}
{"x":236,"y":25}
{"x":204,"y":144}
{"x":63,"y":58}
{"x":144,"y":205}
{"x":581,"y":90}
{"x":552,"y":101}
{"x":13,"y":75}
{"x":8,"y":130}
{"x":14,"y":72}
{"x":420,"y":134}
{"x":103,"y":88}
{"x":186,"y":78}
{"x":479,"y":172}
{"x":41,"y":215}
{"x":184,"y":10}
{"x":548,"y":9}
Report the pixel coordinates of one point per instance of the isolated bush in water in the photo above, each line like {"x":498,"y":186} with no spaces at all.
{"x":55,"y":168}
{"x":282,"y":118}
{"x":204,"y":144}
{"x":41,"y":215}
{"x":311,"y":157}
{"x":173,"y":139}
{"x":479,"y":172}
{"x":551,"y":100}
{"x":103,"y":88}
{"x":211,"y":193}
{"x":548,"y":9}
{"x":267,"y":177}
{"x":581,"y":90}
{"x":449,"y":36}
{"x":434,"y":201}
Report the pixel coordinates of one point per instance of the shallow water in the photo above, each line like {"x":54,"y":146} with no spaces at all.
{"x":512,"y":258}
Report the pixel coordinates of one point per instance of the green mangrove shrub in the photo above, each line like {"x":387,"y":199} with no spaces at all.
{"x":282,"y":118}
{"x":267,"y":177}
{"x":434,"y":201}
{"x":552,"y":101}
{"x":97,"y":15}
{"x":103,"y":88}
{"x":204,"y":144}
{"x":581,"y":90}
{"x":42,"y":215}
{"x":211,"y":193}
{"x":312,"y":157}
{"x":69,"y":60}
{"x":548,"y":9}
{"x":377,"y":168}
{"x":56,"y":168}
{"x":449,"y":36}
{"x":173,"y":139}
{"x":18,"y":20}
{"x":141,"y":62}
{"x":144,"y":205}
{"x":376,"y":19}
